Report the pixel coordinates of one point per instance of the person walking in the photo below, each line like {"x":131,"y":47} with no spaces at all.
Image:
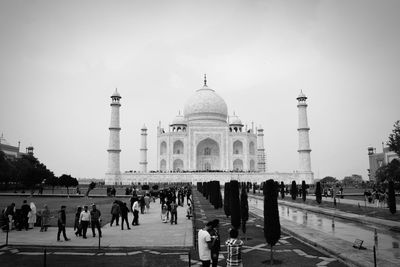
{"x":204,"y":245}
{"x":135,"y":210}
{"x":10,"y":212}
{"x":124,"y":216}
{"x":234,"y":249}
{"x":61,"y":224}
{"x":77,"y":225}
{"x":25,"y":209}
{"x":45,"y":214}
{"x":174,"y":213}
{"x":95,"y":216}
{"x":142,"y":204}
{"x":147,"y":202}
{"x":216,"y":242}
{"x":115,"y":211}
{"x":84,"y":220}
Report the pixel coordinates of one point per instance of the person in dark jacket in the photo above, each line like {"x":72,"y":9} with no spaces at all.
{"x":95,"y":216}
{"x":216,"y":242}
{"x":77,"y":225}
{"x":115,"y":211}
{"x":124,"y":216}
{"x":25,"y":209}
{"x":62,"y":219}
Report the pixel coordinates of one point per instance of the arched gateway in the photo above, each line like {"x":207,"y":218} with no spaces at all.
{"x":208,"y":155}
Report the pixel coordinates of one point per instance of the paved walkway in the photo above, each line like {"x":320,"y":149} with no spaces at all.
{"x":150,"y":233}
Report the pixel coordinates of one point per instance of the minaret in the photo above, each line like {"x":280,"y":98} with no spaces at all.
{"x":261,"y":164}
{"x":143,"y":150}
{"x":304,"y":141}
{"x":114,"y":150}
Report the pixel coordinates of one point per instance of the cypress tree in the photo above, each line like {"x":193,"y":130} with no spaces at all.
{"x":244,"y":209}
{"x":318,"y":193}
{"x":272,"y":226}
{"x":235,"y":204}
{"x":304,"y":190}
{"x":391,"y":198}
{"x":293,"y":190}
{"x":227,"y":204}
{"x":282,"y":190}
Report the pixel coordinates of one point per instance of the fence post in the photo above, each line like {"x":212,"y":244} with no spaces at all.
{"x":44,"y":258}
{"x":190,"y":258}
{"x":8,"y":229}
{"x":99,"y":241}
{"x":374,"y":257}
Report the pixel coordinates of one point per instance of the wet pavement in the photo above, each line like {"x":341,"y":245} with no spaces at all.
{"x":337,"y":235}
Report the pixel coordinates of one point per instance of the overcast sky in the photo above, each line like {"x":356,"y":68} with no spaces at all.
{"x":60,"y":61}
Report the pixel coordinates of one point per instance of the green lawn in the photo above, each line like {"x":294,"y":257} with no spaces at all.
{"x":54,"y":204}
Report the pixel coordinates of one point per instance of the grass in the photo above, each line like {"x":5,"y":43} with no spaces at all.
{"x":54,"y":204}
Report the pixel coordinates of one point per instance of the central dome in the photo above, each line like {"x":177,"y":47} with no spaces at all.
{"x":205,"y":104}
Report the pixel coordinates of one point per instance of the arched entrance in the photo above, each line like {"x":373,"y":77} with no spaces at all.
{"x":238,"y":165}
{"x":207,"y":153}
{"x":178,"y":165}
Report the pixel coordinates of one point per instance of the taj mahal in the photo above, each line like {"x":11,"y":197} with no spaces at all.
{"x":205,"y":143}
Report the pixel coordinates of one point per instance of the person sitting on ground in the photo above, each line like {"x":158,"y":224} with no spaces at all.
{"x":234,"y":249}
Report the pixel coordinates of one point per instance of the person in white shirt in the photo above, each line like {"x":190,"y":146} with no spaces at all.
{"x":135,"y":209}
{"x":204,"y":245}
{"x":84,"y":220}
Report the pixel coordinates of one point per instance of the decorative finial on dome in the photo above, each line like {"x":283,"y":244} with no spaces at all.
{"x":205,"y":79}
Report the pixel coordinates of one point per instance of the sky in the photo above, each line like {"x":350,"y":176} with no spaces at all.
{"x":60,"y":61}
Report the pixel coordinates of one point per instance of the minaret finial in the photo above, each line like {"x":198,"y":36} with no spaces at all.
{"x":205,"y":79}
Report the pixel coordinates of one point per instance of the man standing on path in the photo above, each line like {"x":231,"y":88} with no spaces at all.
{"x":135,"y":210}
{"x":61,"y":224}
{"x":95,"y":216}
{"x":25,"y":209}
{"x":234,"y":249}
{"x":174,"y":212}
{"x":204,"y":244}
{"x":124,"y":216}
{"x":115,"y":211}
{"x":216,"y":242}
{"x":84,"y":220}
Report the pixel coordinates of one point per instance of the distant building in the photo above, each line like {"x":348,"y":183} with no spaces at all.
{"x":12,"y":152}
{"x":377,"y":160}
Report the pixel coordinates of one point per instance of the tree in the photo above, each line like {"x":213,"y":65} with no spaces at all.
{"x":389,"y":172}
{"x":329,"y":180}
{"x":394,"y":139}
{"x":272,"y":226}
{"x":303,"y":190}
{"x":68,"y":181}
{"x":353,"y":180}
{"x":235,"y":202}
{"x":227,"y":205}
{"x":92,"y":185}
{"x":30,"y":171}
{"x":52,"y":181}
{"x":391,"y":198}
{"x":282,"y":190}
{"x":318,"y":193}
{"x":244,"y":208}
{"x":293,"y":190}
{"x":6,"y":170}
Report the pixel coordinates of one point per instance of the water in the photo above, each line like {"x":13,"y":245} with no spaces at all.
{"x":387,"y":243}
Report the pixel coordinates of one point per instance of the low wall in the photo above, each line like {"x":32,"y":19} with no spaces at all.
{"x":194,"y":177}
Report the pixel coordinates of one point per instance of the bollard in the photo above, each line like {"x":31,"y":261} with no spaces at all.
{"x":376,"y":236}
{"x":333,"y":222}
{"x":99,"y":241}
{"x":44,"y":258}
{"x":8,"y":229}
{"x":374,"y":257}
{"x":190,"y":259}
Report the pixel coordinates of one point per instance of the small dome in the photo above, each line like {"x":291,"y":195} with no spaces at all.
{"x":301,"y":96}
{"x":205,"y":104}
{"x":116,"y":94}
{"x":179,"y":120}
{"x":235,"y":121}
